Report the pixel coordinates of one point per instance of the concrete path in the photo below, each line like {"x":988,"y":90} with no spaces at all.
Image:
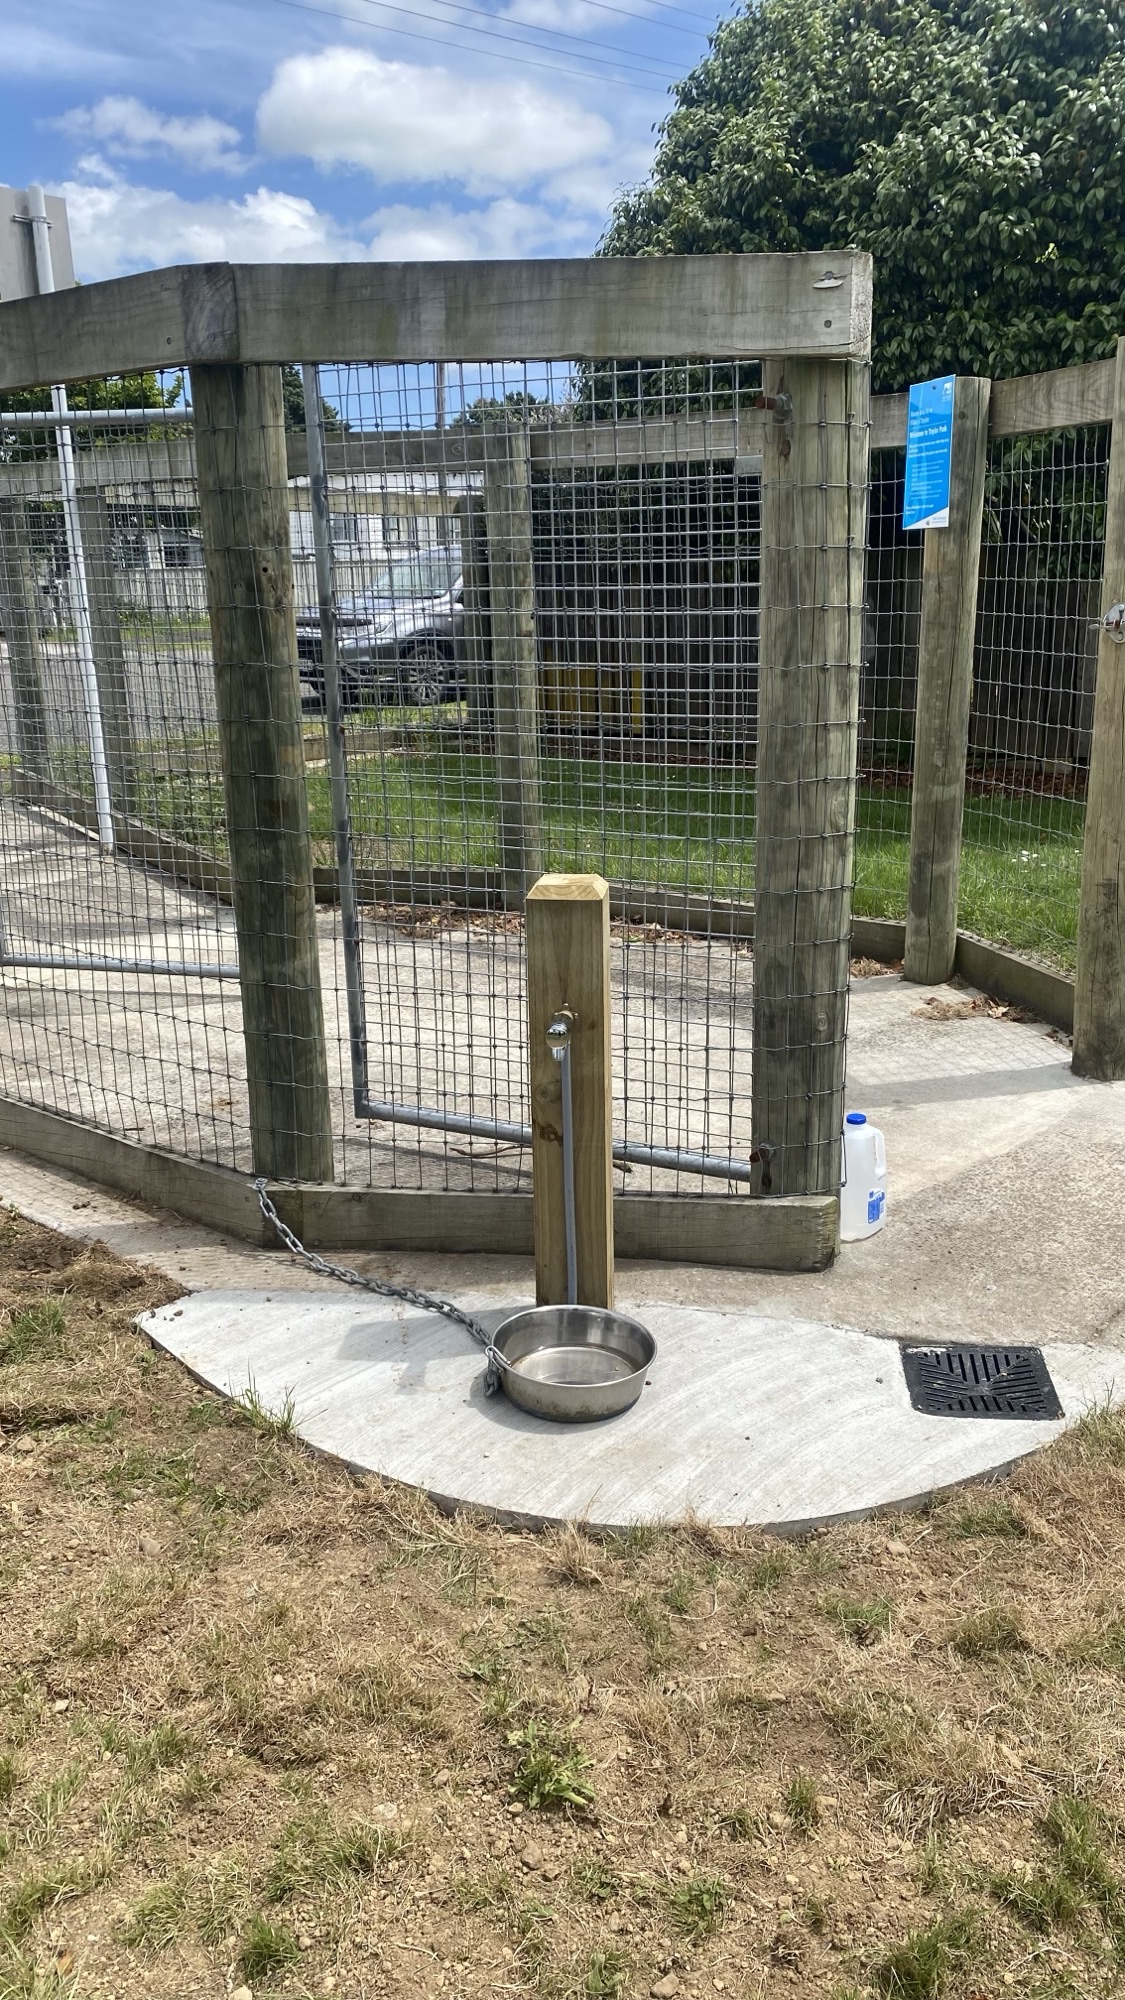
{"x":781,"y":1423}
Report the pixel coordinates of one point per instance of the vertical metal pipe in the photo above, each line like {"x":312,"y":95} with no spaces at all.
{"x":570,"y":1226}
{"x":80,"y":599}
{"x":334,"y":719}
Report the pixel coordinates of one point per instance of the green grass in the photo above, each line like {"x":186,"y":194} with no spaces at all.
{"x":801,"y":1802}
{"x":988,"y":1517}
{"x":159,"y":1919}
{"x":654,"y":1628}
{"x":431,"y":806}
{"x":1072,"y":1827}
{"x":428,"y":804}
{"x":1020,"y":863}
{"x":769,"y":1570}
{"x":315,"y":1849}
{"x":920,"y":1968}
{"x":596,"y":1882}
{"x":1104,"y":1646}
{"x":29,"y":1899}
{"x":1076,"y":1881}
{"x":699,"y":1905}
{"x":862,"y":1620}
{"x":164,"y":1745}
{"x":264,"y":1950}
{"x":35,"y":1333}
{"x":989,"y":1634}
{"x":1041,"y":1901}
{"x":258,"y":1414}
{"x":1099,"y":1436}
{"x":680,"y":1594}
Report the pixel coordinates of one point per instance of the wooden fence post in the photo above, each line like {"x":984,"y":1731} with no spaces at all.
{"x":814,"y":510}
{"x":240,"y":450}
{"x":515,"y":676}
{"x":19,"y":616}
{"x":1099,"y":986}
{"x":568,"y":967}
{"x":109,"y":650}
{"x":950,"y":571}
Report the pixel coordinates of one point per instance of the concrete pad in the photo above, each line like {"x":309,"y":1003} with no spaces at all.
{"x":785,"y":1424}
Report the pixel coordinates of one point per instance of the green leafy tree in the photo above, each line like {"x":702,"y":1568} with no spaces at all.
{"x":293,"y":393}
{"x":142,"y":391}
{"x":975,"y":147}
{"x":536,"y":410}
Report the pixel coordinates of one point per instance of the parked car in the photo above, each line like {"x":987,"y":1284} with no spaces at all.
{"x":397,"y":641}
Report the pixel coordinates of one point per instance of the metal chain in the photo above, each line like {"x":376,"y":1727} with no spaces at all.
{"x":425,"y":1301}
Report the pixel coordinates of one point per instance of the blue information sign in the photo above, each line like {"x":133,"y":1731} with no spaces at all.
{"x":929,"y":449}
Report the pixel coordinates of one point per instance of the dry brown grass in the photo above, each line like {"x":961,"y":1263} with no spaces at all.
{"x":263,"y":1723}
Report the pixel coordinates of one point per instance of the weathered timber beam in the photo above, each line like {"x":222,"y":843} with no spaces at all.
{"x":164,"y":461}
{"x":1021,"y":407}
{"x":549,"y":309}
{"x":570,"y":447}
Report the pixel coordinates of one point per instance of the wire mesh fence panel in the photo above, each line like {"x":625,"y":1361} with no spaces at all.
{"x":892,"y":617}
{"x":113,"y":845}
{"x":399,"y":638}
{"x":550,"y":663}
{"x":1035,"y":659}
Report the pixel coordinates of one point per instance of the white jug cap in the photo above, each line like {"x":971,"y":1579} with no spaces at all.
{"x":856,"y":1118}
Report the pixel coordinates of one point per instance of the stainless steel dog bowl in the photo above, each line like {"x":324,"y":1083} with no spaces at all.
{"x":573,"y":1364}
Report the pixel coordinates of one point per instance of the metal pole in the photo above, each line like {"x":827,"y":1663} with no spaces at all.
{"x":439,"y":425}
{"x":570,"y":1224}
{"x":677,"y":1159}
{"x":80,"y":601}
{"x":334,"y":718}
{"x":45,"y":961}
{"x":87,"y":420}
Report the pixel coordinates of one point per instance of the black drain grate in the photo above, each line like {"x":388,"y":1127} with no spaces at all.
{"x":980,"y":1382}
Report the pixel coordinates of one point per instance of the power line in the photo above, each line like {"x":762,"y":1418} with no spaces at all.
{"x":460,"y":7}
{"x":413,"y":35}
{"x":629,"y":14}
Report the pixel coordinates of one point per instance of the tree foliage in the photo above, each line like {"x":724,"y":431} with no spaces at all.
{"x":518,"y":403}
{"x":293,"y":397}
{"x":143,"y":391}
{"x":973,"y":146}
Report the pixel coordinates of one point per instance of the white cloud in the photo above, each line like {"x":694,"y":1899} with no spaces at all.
{"x":505,"y":228}
{"x":131,"y":130}
{"x":412,"y":123}
{"x":116,"y":226}
{"x":590,"y":189}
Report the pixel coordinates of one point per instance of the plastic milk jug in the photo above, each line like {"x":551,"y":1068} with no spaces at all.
{"x":863,"y":1195}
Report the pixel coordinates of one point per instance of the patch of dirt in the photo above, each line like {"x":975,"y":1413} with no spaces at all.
{"x":266,"y":1725}
{"x":935,"y":1009}
{"x":874,"y":968}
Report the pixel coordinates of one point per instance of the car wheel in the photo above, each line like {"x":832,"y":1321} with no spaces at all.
{"x":425,"y":677}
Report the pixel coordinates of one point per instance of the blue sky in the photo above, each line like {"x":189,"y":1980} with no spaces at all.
{"x":336,"y":128}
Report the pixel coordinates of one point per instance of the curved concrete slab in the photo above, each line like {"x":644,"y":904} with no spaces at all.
{"x":784,"y":1424}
